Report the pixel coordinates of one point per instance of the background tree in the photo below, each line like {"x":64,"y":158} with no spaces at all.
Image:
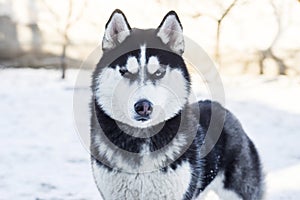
{"x":278,"y":8}
{"x":225,"y":11}
{"x":70,"y":20}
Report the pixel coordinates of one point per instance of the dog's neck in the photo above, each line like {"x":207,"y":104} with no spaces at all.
{"x":166,"y":141}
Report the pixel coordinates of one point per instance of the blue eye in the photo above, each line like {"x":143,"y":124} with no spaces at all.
{"x":159,"y":73}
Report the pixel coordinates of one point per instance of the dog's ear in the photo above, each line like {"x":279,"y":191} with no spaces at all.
{"x":117,"y":30}
{"x":170,"y":32}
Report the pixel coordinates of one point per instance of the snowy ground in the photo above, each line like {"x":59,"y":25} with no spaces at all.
{"x":42,"y":157}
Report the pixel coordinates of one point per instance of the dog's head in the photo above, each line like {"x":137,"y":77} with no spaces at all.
{"x":141,"y":79}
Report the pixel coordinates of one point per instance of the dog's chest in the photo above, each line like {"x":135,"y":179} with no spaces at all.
{"x":169,"y":185}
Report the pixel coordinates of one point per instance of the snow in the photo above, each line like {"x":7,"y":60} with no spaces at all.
{"x":42,"y":156}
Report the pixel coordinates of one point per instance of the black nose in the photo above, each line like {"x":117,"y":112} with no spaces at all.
{"x":143,"y":108}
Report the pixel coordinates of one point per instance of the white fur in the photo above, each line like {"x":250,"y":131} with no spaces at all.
{"x":148,"y":161}
{"x":150,"y":185}
{"x":142,"y":59}
{"x":168,"y":153}
{"x":143,"y":55}
{"x":132,"y":65}
{"x":171,"y":33}
{"x":116,"y":32}
{"x":153,"y":64}
{"x":216,"y":191}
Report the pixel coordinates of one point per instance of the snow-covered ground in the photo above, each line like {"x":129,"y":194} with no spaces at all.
{"x":41,"y":155}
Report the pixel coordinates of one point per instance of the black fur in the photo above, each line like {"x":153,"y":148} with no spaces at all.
{"x":172,"y":12}
{"x":119,"y":12}
{"x":242,"y":168}
{"x":234,"y":154}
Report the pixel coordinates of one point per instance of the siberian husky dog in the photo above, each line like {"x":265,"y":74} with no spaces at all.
{"x":146,"y":137}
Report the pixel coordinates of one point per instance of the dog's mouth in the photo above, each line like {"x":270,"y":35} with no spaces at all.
{"x":141,"y":118}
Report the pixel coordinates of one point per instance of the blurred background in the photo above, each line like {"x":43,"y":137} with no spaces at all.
{"x":258,"y":37}
{"x":254,"y":43}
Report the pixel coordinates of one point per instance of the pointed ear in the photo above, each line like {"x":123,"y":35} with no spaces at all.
{"x":117,"y":30}
{"x":170,"y":32}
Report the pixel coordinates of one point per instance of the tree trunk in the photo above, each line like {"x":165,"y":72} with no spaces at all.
{"x":280,"y":63}
{"x":262,"y":57}
{"x":217,"y":48}
{"x":63,"y":61}
{"x":269,"y":54}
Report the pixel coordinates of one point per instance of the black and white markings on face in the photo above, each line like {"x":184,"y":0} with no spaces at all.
{"x":152,"y":75}
{"x":145,"y":65}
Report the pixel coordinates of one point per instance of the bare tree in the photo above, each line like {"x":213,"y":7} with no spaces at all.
{"x":219,"y":20}
{"x":71,"y":19}
{"x":219,"y":24}
{"x":269,"y":52}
